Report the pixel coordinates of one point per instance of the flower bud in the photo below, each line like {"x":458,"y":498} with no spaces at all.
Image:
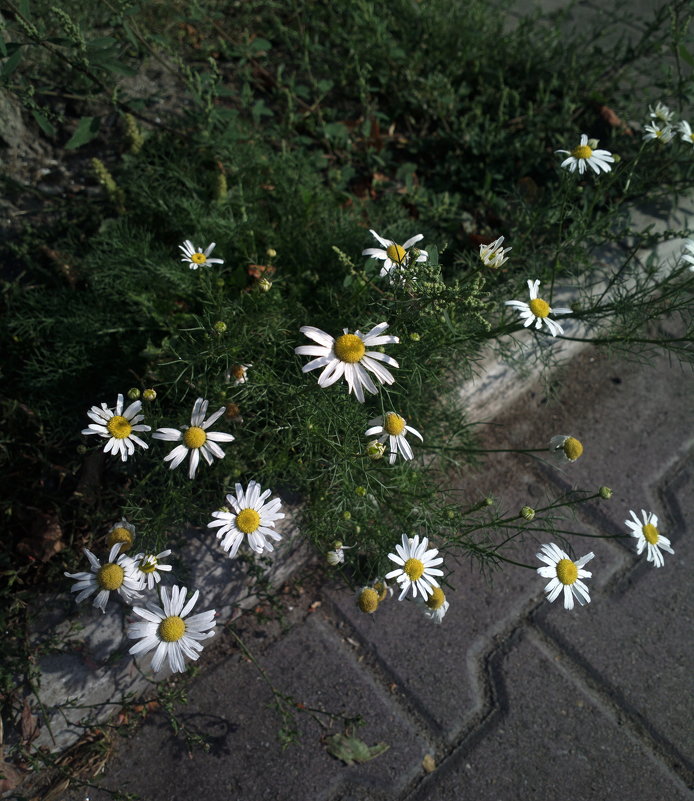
{"x":264,"y":285}
{"x":605,"y":493}
{"x":367,"y":600}
{"x":133,"y":393}
{"x":271,"y":253}
{"x":527,"y":512}
{"x":220,"y":327}
{"x":360,"y":491}
{"x":375,"y":449}
{"x":149,"y":395}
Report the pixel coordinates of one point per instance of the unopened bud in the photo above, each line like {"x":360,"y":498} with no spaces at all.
{"x":271,"y":253}
{"x":605,"y":493}
{"x":264,"y":285}
{"x":414,"y":336}
{"x":220,"y":327}
{"x":347,"y":515}
{"x":367,"y":600}
{"x":149,"y":395}
{"x":133,"y":393}
{"x":375,"y":449}
{"x":360,"y":491}
{"x":527,"y":512}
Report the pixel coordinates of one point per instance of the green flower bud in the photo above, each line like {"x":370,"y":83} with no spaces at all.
{"x":360,"y":491}
{"x":149,"y":395}
{"x":220,"y":327}
{"x":133,"y":393}
{"x":605,"y":493}
{"x":347,"y":515}
{"x":527,"y":512}
{"x":375,"y":449}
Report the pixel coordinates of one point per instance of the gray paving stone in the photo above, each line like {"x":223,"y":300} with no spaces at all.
{"x":637,"y":640}
{"x":440,"y":669}
{"x":230,"y":704}
{"x":548,"y":740}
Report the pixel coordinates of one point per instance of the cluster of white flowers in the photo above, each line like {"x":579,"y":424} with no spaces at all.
{"x":662,"y":127}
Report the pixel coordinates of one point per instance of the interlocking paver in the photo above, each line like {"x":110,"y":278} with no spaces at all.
{"x":230,"y":705}
{"x":548,"y":740}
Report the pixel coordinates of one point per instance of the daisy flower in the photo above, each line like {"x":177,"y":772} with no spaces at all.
{"x":565,"y":574}
{"x":196,"y":438}
{"x":170,"y":631}
{"x":416,"y":569}
{"x":337,"y":556}
{"x":392,"y":427}
{"x":688,"y":253}
{"x":238,"y":374}
{"x":686,"y":131}
{"x":347,"y":356}
{"x":661,"y":112}
{"x":250,"y":516}
{"x":435,"y":606}
{"x":494,"y":255}
{"x":657,"y":130}
{"x":395,"y":257}
{"x":118,"y":574}
{"x":538,"y":310}
{"x":367,"y":600}
{"x":118,"y":426}
{"x":648,"y":536}
{"x":566,"y":447}
{"x":586,"y":154}
{"x":148,"y":565}
{"x":122,"y":533}
{"x":196,"y":257}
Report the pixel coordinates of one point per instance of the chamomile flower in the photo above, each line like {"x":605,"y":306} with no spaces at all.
{"x":337,"y":555}
{"x":169,"y":630}
{"x":196,"y":438}
{"x":494,"y":255}
{"x":435,"y":606}
{"x":118,"y":574}
{"x":367,"y":600}
{"x":565,"y":575}
{"x":395,"y":257}
{"x":688,"y":253}
{"x":661,"y":112}
{"x":238,"y":374}
{"x":417,"y":567}
{"x":658,"y":131}
{"x":251,"y":517}
{"x":122,"y":533}
{"x":118,"y":426}
{"x":149,"y":565}
{"x":649,"y":537}
{"x":392,"y":427}
{"x":348,"y":356}
{"x":686,"y":132}
{"x":538,"y":310}
{"x":566,"y":447}
{"x":586,"y":154}
{"x":196,"y":257}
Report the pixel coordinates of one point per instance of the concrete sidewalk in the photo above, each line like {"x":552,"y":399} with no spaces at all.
{"x":513,"y":697}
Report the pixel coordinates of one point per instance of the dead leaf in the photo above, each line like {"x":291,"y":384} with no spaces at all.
{"x":10,"y":777}
{"x":45,"y":539}
{"x":29,"y":722}
{"x":351,"y":750}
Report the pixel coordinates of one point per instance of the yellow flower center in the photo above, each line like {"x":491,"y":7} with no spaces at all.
{"x":198,"y":258}
{"x":650,"y":532}
{"x":394,"y":424}
{"x":148,"y":564}
{"x":172,"y":628}
{"x":567,"y":572}
{"x":572,"y":449}
{"x":368,"y":600}
{"x":194,"y":437}
{"x":396,"y":253}
{"x":110,"y":576}
{"x":582,"y":152}
{"x":247,"y":521}
{"x":437,"y":599}
{"x":539,"y":307}
{"x":119,"y":427}
{"x":120,"y":534}
{"x":349,"y":348}
{"x":413,"y":569}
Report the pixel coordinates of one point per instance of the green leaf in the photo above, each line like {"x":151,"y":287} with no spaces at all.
{"x":260,"y":45}
{"x":46,"y":126}
{"x":87,"y":129}
{"x":686,"y":56}
{"x":11,"y":64}
{"x":352,"y":749}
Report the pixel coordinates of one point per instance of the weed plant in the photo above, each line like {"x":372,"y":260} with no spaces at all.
{"x":296,"y":127}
